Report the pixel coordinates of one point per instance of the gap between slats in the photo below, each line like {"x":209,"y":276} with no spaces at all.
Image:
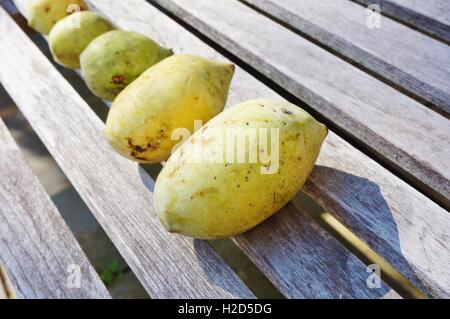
{"x":38,"y":246}
{"x":363,"y":251}
{"x":6,"y":289}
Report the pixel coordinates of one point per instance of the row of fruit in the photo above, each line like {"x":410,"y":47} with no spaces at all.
{"x":237,"y":170}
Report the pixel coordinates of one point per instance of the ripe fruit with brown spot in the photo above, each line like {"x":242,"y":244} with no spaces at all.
{"x":168,"y":96}
{"x":115,"y":59}
{"x":201,"y":194}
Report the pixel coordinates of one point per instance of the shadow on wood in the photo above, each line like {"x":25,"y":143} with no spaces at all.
{"x":372,"y":221}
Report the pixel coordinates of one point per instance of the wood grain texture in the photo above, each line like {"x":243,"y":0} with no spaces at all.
{"x":411,"y":61}
{"x":410,"y":231}
{"x":116,"y":191}
{"x":36,"y":246}
{"x":431,"y":17}
{"x":294,"y":281}
{"x":402,"y":131}
{"x":406,"y":204}
{"x":305,"y":261}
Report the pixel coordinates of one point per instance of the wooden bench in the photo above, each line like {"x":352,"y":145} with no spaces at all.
{"x":382,"y":181}
{"x":431,"y":17}
{"x":36,"y":246}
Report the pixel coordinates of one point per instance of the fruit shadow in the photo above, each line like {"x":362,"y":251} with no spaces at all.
{"x":278,"y":239}
{"x":370,"y":218}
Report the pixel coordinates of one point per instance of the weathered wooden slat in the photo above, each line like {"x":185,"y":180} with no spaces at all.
{"x":115,"y":189}
{"x":395,"y":127}
{"x":409,"y":60}
{"x":406,"y":204}
{"x":350,"y":280}
{"x":304,"y":261}
{"x":431,"y":17}
{"x":403,"y":226}
{"x":36,"y":246}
